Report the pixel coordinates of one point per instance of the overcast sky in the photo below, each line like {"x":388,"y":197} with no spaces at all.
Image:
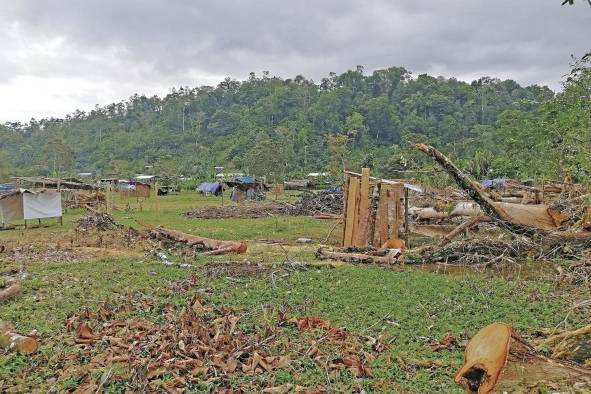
{"x":60,"y":55}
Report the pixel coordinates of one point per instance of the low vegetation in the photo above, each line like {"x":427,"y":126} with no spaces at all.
{"x":397,"y":318}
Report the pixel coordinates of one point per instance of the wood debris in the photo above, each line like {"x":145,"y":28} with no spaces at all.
{"x":210,"y":246}
{"x":10,"y":292}
{"x":20,"y":343}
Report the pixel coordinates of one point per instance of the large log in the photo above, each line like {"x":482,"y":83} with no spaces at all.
{"x":13,"y":341}
{"x":212,"y":246}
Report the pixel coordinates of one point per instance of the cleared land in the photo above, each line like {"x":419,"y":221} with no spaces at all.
{"x":394,"y":316}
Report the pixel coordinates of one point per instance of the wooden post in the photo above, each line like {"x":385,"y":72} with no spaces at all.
{"x":352,"y":209}
{"x":345,"y":199}
{"x":395,"y":196}
{"x":157,"y":199}
{"x":363,"y":216}
{"x":383,"y":210}
{"x":406,"y":227}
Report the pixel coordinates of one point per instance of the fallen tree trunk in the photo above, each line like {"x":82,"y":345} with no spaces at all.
{"x":362,"y":258}
{"x":520,"y":219}
{"x":10,"y":291}
{"x":212,"y":246}
{"x":474,"y":190}
{"x":13,"y":341}
{"x":496,"y":358}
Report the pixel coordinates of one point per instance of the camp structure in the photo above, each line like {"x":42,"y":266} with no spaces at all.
{"x":207,"y":188}
{"x":133,"y":188}
{"x":30,"y":182}
{"x":247,"y":188}
{"x":147,"y":178}
{"x":23,"y":204}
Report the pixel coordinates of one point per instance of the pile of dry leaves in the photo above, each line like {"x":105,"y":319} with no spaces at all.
{"x":203,"y":345}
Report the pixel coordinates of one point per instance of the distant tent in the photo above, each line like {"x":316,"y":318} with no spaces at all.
{"x":497,"y":183}
{"x":247,"y":188}
{"x":7,"y":187}
{"x":214,"y":188}
{"x":25,"y":204}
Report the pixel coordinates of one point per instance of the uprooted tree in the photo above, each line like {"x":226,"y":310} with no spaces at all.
{"x":528,"y":220}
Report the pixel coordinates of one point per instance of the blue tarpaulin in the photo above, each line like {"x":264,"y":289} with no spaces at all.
{"x":6,"y":187}
{"x":210,"y":187}
{"x":497,"y":183}
{"x":245,"y":180}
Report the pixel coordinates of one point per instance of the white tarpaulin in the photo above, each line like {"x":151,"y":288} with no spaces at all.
{"x":47,"y":204}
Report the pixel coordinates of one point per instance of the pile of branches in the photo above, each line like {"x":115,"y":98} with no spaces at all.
{"x":98,"y":221}
{"x":574,"y":209}
{"x":246,"y":210}
{"x":83,"y":199}
{"x":201,"y":344}
{"x":473,"y":251}
{"x":317,"y":203}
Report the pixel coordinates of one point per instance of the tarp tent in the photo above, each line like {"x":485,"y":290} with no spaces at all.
{"x":25,"y":204}
{"x":214,"y":188}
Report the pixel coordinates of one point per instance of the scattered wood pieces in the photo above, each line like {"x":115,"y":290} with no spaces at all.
{"x":462,"y":228}
{"x":10,"y":292}
{"x":324,"y":253}
{"x":13,"y":341}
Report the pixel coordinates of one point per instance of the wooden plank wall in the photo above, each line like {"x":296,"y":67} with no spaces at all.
{"x":372,"y":211}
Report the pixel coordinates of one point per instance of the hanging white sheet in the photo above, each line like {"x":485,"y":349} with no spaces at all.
{"x":47,"y":204}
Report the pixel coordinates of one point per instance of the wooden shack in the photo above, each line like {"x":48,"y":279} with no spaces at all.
{"x":132,"y":188}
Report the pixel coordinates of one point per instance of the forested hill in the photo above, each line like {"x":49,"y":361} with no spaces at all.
{"x":279,"y":127}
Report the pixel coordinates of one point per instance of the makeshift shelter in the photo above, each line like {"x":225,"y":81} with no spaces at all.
{"x":25,"y":204}
{"x":52,"y":183}
{"x":147,"y":178}
{"x":131,"y":188}
{"x":207,"y":188}
{"x":247,"y":188}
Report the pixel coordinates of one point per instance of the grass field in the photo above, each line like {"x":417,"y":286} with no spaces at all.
{"x":411,"y":305}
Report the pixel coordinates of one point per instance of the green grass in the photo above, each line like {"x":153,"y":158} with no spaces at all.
{"x":167,"y":211}
{"x":411,"y":304}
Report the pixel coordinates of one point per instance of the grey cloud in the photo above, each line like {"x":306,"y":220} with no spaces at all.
{"x":145,"y":41}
